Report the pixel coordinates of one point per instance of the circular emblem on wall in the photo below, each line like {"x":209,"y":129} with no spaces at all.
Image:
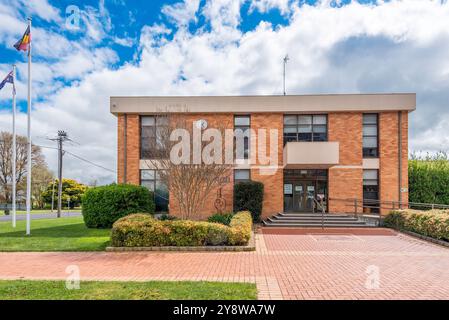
{"x":201,"y":124}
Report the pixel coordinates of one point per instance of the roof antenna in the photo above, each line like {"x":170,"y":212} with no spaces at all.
{"x":286,"y":58}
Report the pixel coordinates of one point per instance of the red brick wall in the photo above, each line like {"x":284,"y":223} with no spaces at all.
{"x":389,"y":156}
{"x":346,"y":182}
{"x":273,"y":183}
{"x":132,"y":149}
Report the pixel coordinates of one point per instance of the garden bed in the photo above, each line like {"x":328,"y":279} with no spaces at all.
{"x":143,"y":232}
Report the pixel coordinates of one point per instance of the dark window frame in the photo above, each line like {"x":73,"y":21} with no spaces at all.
{"x":146,"y":154}
{"x":370,"y":152}
{"x":373,"y":189}
{"x":247,"y":150}
{"x":154,"y":183}
{"x":313,"y":127}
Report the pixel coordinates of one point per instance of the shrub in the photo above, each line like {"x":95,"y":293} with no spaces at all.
{"x":141,"y":230}
{"x":165,"y":217}
{"x":248,"y":196}
{"x":102,"y":206}
{"x":223,"y":218}
{"x":434,"y":223}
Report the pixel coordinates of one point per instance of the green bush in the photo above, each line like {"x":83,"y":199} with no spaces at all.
{"x":141,"y":230}
{"x":165,"y":216}
{"x":102,"y":206}
{"x":434,"y":223}
{"x":223,"y":218}
{"x":429,"y":179}
{"x":248,"y":196}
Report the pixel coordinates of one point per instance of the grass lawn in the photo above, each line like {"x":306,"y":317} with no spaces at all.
{"x":63,"y":234}
{"x":109,"y":290}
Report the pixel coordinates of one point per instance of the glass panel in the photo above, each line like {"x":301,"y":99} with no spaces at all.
{"x":241,"y":174}
{"x":370,"y":130}
{"x":305,"y":119}
{"x":241,"y":121}
{"x":305,"y":137}
{"x":320,"y":128}
{"x":290,"y":120}
{"x":305,"y":128}
{"x":161,"y":197}
{"x":370,"y":174}
{"x":370,"y":182}
{"x":149,"y":184}
{"x":289,"y":129}
{"x":370,"y":142}
{"x":147,"y":174}
{"x":319,"y":119}
{"x":148,"y":121}
{"x":319,"y":136}
{"x":370,"y":119}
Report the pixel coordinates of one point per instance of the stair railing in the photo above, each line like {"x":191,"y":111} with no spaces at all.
{"x":323,"y":210}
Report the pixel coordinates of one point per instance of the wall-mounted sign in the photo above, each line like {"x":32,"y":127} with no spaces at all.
{"x":298,"y":188}
{"x":288,"y":189}
{"x":310,"y":188}
{"x":403,"y":190}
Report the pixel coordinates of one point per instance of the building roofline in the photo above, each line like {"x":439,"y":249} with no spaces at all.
{"x":264,"y":103}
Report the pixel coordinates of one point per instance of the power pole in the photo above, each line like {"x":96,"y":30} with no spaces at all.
{"x":286,"y":58}
{"x":62,"y":136}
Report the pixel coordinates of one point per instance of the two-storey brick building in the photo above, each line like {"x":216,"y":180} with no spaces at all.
{"x":337,"y":147}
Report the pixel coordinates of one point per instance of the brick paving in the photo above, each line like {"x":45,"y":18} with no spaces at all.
{"x":341,"y":265}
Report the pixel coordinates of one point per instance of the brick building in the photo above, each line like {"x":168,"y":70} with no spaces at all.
{"x":336,"y":147}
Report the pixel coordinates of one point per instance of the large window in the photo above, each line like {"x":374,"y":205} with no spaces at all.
{"x":242,"y":127}
{"x":152,"y":134}
{"x":305,"y":128}
{"x":242,"y":175}
{"x":370,"y":133}
{"x":151,"y":180}
{"x":371,"y":188}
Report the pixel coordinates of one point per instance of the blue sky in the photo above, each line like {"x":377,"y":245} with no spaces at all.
{"x":218,"y":47}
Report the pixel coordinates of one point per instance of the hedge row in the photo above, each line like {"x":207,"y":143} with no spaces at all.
{"x":434,"y":223}
{"x":141,"y":230}
{"x":104,"y":205}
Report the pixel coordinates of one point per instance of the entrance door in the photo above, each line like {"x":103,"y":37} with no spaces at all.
{"x":303,"y":195}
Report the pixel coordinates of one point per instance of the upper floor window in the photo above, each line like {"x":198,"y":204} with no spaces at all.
{"x":242,"y":125}
{"x":153,"y":131}
{"x":305,"y":128}
{"x":370,"y":135}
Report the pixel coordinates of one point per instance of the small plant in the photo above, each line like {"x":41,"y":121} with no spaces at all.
{"x":223,"y":218}
{"x":165,"y":217}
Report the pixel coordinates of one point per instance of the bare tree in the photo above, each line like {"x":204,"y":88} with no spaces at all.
{"x":21,"y":161}
{"x":187,"y":175}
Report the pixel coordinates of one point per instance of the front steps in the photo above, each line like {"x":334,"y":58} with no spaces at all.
{"x":315,"y":220}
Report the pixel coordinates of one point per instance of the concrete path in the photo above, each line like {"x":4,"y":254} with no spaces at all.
{"x":284,"y":266}
{"x":48,"y":215}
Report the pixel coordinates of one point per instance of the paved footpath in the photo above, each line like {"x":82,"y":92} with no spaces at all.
{"x":285,"y":266}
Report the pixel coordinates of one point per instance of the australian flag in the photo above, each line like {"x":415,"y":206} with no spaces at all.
{"x":9,"y":79}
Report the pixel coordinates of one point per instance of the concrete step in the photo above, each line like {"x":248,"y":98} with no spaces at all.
{"x":302,"y":215}
{"x":315,"y":222}
{"x":309,"y":225}
{"x":326,"y":218}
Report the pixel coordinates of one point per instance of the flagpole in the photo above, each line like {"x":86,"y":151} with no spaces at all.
{"x":14,"y":147}
{"x":28,"y":194}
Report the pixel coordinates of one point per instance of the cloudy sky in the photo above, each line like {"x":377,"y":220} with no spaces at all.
{"x":86,"y":51}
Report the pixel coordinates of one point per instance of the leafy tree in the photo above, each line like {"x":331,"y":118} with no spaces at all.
{"x":72,"y":191}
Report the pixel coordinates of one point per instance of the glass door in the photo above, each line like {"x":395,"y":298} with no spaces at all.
{"x":309,"y":195}
{"x":298,"y":197}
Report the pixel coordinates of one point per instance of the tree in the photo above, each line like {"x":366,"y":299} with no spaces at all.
{"x":6,"y":150}
{"x":72,"y":191}
{"x":41,"y":178}
{"x":190,"y":181}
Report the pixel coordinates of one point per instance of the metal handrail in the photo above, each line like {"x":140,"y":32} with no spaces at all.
{"x":389,"y":205}
{"x":323,"y":210}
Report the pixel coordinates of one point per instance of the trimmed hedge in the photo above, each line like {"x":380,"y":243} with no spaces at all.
{"x":223,"y":218}
{"x":248,"y":196}
{"x":434,"y":223}
{"x":141,"y":230}
{"x":104,"y":205}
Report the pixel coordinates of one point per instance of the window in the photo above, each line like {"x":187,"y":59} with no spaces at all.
{"x":242,"y":134}
{"x":370,"y":132}
{"x":242,"y":175}
{"x":305,"y":128}
{"x":371,"y":188}
{"x":153,"y":129}
{"x":151,"y":180}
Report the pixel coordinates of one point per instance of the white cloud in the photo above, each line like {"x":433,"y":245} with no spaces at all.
{"x":182,"y":13}
{"x":396,"y":46}
{"x":266,"y":5}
